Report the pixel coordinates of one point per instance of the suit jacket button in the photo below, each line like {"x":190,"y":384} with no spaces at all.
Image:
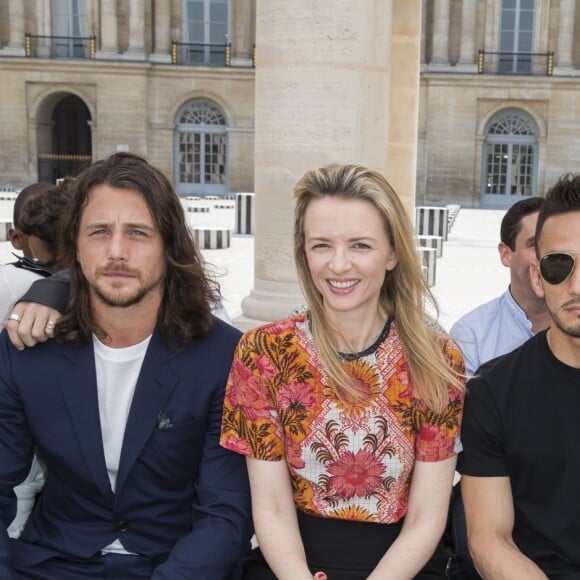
{"x":122,"y":526}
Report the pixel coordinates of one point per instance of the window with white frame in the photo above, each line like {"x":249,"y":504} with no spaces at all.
{"x":201,"y":149}
{"x":516,"y":40}
{"x":206,"y":29}
{"x":69,"y":29}
{"x":510,"y":158}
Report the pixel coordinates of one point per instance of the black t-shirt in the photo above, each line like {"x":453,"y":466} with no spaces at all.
{"x":522,"y":420}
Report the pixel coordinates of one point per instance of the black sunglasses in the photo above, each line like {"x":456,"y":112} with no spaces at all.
{"x":556,"y":267}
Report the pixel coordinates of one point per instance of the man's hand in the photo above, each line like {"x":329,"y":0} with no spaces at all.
{"x":30,"y":323}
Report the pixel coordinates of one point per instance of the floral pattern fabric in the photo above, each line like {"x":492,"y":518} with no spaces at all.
{"x":348,"y":461}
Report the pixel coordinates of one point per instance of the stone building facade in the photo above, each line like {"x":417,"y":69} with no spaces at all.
{"x":174,"y":80}
{"x":499,"y":106}
{"x":169,"y":79}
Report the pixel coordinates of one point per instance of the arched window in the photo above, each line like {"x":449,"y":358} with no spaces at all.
{"x":201,"y":149}
{"x":510,"y":159}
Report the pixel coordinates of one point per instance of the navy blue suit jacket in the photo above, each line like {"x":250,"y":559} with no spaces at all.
{"x":181,"y":499}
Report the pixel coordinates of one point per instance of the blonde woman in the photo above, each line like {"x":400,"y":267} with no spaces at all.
{"x":348,"y":413}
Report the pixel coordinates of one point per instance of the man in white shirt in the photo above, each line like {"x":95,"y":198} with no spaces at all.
{"x":16,"y":277}
{"x":504,"y":323}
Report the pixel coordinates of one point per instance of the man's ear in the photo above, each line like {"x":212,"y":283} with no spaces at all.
{"x":536,"y":279}
{"x":505,"y":254}
{"x":15,"y":237}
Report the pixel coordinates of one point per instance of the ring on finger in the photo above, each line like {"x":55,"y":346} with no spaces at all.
{"x":15,"y":317}
{"x":50,"y":325}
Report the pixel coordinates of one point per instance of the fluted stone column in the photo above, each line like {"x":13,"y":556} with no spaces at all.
{"x":401,"y":160}
{"x":424,"y":35}
{"x":162,"y":24}
{"x":467,"y":46}
{"x":241,"y":34}
{"x":15,"y":45}
{"x":136,"y":50}
{"x":565,"y":36}
{"x":440,"y":53}
{"x":43,"y":27}
{"x":323,"y":92}
{"x":109,"y":46}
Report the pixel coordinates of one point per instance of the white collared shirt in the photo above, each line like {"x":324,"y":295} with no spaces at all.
{"x":490,"y":330}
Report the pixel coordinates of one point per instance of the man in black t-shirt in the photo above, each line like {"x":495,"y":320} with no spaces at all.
{"x":521,"y":427}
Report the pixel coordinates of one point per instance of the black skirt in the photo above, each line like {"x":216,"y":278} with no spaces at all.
{"x":344,"y":550}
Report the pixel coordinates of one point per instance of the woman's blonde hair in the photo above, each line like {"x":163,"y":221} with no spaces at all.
{"x":404,"y":293}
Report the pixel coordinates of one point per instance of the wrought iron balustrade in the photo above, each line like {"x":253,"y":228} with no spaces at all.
{"x":200,"y":54}
{"x":53,"y":166}
{"x":515,"y":63}
{"x":69,"y":47}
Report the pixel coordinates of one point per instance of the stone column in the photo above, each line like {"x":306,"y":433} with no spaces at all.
{"x":440,"y":53}
{"x":162,"y":25}
{"x":424,"y":32}
{"x":109,"y":47}
{"x":241,"y":35}
{"x":467,"y":45}
{"x":136,"y":50}
{"x":15,"y":45}
{"x":565,"y":35}
{"x":404,"y":100}
{"x":43,"y":28}
{"x":323,"y":93}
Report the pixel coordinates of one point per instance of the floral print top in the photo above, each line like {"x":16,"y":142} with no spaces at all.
{"x":347,"y":461}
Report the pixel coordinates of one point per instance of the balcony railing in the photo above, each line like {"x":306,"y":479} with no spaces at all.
{"x":70,"y":47}
{"x":515,"y":63}
{"x":199,"y":54}
{"x":53,"y":166}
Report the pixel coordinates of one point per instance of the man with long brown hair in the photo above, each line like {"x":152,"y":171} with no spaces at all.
{"x":124,"y":407}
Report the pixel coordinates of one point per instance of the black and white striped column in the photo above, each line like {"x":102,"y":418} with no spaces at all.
{"x":4,"y":227}
{"x":432,"y":221}
{"x":245,"y":213}
{"x":429,"y":264}
{"x":212,"y":238}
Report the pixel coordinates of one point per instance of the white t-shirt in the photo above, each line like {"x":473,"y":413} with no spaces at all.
{"x":117,"y":373}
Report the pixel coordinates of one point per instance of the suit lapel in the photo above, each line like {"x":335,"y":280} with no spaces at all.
{"x":79,"y":387}
{"x":154,"y":387}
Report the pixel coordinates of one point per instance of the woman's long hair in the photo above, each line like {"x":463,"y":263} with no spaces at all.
{"x":188,"y":292}
{"x":404,"y":293}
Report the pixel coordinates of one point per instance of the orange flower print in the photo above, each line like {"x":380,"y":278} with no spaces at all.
{"x":265,"y":366}
{"x":367,"y":382}
{"x":281,"y":326}
{"x":241,"y":446}
{"x":246,"y":392}
{"x":438,"y":443}
{"x":356,"y":473}
{"x":293,"y":451}
{"x":355,"y":513}
{"x":296,"y":395}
